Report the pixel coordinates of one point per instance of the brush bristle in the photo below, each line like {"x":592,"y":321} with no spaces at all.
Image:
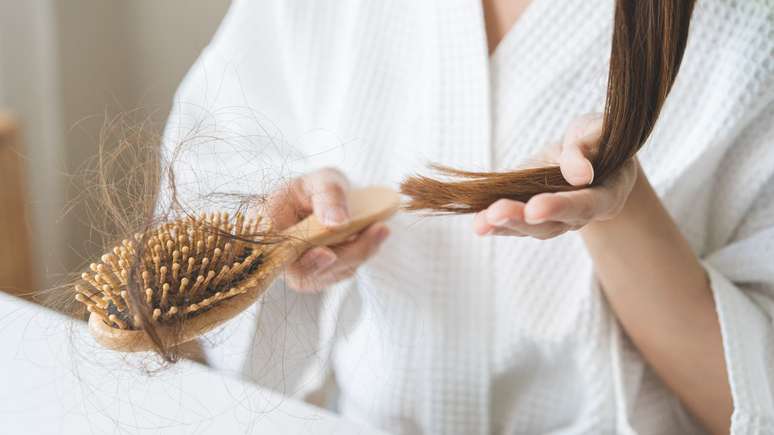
{"x":185,"y":266}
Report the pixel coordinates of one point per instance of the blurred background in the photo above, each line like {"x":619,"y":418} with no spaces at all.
{"x":64,"y":65}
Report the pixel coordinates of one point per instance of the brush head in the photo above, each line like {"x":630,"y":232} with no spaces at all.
{"x":183,"y":267}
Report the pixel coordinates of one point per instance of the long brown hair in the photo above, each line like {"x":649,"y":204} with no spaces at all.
{"x":649,"y":38}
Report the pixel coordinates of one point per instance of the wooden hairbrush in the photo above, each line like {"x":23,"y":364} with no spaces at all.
{"x":199,"y":272}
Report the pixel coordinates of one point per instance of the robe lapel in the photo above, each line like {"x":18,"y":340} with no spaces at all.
{"x":551,"y":48}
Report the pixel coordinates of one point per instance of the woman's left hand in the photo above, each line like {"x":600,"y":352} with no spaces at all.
{"x":548,"y":215}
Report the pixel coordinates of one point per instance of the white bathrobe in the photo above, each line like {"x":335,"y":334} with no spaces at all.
{"x":444,"y":332}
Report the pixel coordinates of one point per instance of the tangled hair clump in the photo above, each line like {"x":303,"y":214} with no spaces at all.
{"x":133,"y":207}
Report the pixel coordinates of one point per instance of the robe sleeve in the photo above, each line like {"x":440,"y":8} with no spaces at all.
{"x":741,"y":274}
{"x":230,"y":131}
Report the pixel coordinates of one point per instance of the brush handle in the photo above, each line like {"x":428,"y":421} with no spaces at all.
{"x":366,"y":206}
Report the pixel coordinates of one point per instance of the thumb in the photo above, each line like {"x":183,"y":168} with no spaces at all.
{"x":327,"y":193}
{"x":580,"y":144}
{"x":575,"y":167}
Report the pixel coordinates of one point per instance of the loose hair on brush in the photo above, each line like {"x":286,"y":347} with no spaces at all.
{"x":122,"y":191}
{"x":648,"y":42}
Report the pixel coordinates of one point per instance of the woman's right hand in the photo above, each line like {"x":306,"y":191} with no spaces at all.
{"x":322,"y":193}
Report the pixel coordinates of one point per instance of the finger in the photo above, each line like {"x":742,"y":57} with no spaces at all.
{"x":542,"y":231}
{"x":497,"y":214}
{"x":320,"y":281}
{"x":287,"y":205}
{"x":506,"y":218}
{"x":362,"y":248}
{"x":584,"y":132}
{"x":579,"y":207}
{"x":480,"y":225}
{"x":579,"y":146}
{"x":312,"y":261}
{"x":504,"y":211}
{"x":326,"y":190}
{"x":575,"y":167}
{"x":576,"y":208}
{"x":502,"y":231}
{"x":314,"y":276}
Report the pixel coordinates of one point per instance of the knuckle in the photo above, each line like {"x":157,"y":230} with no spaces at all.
{"x":366,"y":250}
{"x":562,"y":206}
{"x":334,"y":189}
{"x":331,"y":171}
{"x":373,"y":248}
{"x":612,"y":212}
{"x":501,"y":202}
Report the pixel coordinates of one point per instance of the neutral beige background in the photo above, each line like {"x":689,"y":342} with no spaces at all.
{"x":63,"y":63}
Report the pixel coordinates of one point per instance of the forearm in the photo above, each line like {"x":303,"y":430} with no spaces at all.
{"x":660,"y":293}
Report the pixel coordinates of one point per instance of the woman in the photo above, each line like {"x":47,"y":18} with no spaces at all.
{"x":639,"y":306}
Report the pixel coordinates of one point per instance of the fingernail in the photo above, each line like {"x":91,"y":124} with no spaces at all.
{"x":334,"y":216}
{"x":577,"y":179}
{"x":578,"y":176}
{"x":591,"y":171}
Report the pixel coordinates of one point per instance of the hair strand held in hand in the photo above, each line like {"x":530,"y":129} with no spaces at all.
{"x":649,"y":39}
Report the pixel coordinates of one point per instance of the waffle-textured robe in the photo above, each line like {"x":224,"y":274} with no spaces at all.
{"x":444,"y":332}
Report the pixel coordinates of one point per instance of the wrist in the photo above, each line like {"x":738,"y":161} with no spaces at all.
{"x":642,"y":231}
{"x":639,"y":203}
